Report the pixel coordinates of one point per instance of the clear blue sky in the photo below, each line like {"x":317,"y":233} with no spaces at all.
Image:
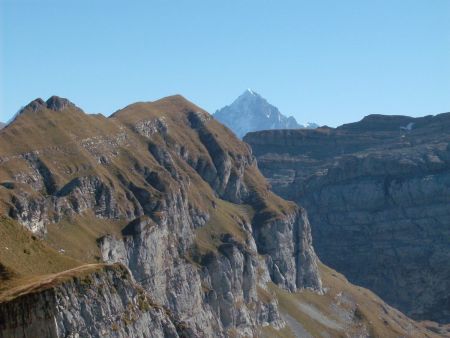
{"x":325,"y":61}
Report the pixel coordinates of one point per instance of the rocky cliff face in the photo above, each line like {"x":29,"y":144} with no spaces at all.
{"x":201,"y":233}
{"x":251,"y":112}
{"x":92,"y":301}
{"x":377,"y":194}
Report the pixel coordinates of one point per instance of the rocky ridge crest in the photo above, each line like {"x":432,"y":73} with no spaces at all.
{"x":198,"y":219}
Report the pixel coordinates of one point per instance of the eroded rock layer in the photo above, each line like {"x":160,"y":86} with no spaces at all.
{"x":377,"y":194}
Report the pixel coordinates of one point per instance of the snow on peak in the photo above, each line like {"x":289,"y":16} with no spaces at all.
{"x":251,"y":112}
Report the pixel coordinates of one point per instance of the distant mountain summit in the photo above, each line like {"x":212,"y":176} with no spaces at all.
{"x":251,"y":112}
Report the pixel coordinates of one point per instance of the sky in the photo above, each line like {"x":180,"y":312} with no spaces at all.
{"x":325,"y":61}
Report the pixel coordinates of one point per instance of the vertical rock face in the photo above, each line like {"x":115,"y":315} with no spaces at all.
{"x":275,"y":241}
{"x":103,"y":302}
{"x":377,"y":194}
{"x":198,"y":217}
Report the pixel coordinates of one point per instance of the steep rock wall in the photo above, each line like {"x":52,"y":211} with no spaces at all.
{"x":377,"y":195}
{"x":99,"y":303}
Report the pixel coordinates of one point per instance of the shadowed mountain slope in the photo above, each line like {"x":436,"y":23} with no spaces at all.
{"x":377,"y":194}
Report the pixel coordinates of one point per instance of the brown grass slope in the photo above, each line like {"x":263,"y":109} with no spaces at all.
{"x":22,"y":254}
{"x":70,"y":144}
{"x":346,"y":310}
{"x":50,"y":144}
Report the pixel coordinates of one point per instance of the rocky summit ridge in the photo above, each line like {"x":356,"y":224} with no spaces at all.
{"x":251,"y":112}
{"x":156,"y":222}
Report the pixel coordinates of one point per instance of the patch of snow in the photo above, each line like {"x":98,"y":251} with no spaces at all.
{"x":309,"y":125}
{"x":312,"y":125}
{"x":408,"y":127}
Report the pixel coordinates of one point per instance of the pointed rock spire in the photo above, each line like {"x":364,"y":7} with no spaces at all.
{"x":251,"y":112}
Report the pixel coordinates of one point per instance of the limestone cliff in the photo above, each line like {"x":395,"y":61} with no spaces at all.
{"x":167,"y":191}
{"x":377,"y":194}
{"x":91,"y":301}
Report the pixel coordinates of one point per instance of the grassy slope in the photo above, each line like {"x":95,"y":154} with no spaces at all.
{"x":78,"y":235}
{"x":345,"y":310}
{"x":23,"y":254}
{"x":36,"y":130}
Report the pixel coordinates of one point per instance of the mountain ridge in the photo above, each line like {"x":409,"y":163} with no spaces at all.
{"x":205,"y":248}
{"x":155,"y":178}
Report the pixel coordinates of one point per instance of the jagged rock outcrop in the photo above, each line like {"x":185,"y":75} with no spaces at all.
{"x":251,"y":112}
{"x":377,"y":195}
{"x":196,"y":212}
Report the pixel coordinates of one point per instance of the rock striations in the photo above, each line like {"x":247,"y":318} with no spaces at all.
{"x":251,"y":112}
{"x":194,"y":221}
{"x":91,"y":301}
{"x":377,"y":194}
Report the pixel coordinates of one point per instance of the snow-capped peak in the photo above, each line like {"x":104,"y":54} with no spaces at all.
{"x":251,"y":112}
